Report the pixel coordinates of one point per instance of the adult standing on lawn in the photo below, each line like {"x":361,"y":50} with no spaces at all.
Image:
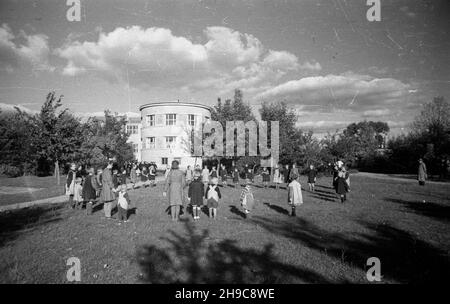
{"x":174,"y":189}
{"x":108,"y":195}
{"x":286,"y":175}
{"x":277,"y":177}
{"x":70,"y":184}
{"x":90,"y":190}
{"x":422,"y":173}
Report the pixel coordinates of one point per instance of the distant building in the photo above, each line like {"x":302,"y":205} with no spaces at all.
{"x":164,"y":132}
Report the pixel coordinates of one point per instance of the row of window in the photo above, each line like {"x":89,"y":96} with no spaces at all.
{"x":171,"y":120}
{"x":150,"y":142}
{"x":132,"y":129}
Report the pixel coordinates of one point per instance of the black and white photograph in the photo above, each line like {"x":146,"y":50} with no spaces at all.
{"x":242,"y":143}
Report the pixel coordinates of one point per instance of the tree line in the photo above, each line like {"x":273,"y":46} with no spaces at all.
{"x":42,"y":143}
{"x":362,"y":145}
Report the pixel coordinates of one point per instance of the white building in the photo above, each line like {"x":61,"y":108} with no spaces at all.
{"x":133,"y":128}
{"x":165,"y":132}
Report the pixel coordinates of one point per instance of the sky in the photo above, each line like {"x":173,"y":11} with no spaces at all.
{"x":323,"y":58}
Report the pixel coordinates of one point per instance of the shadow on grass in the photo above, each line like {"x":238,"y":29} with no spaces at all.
{"x":191,"y":257}
{"x":326,"y":193}
{"x":324,"y":187}
{"x":277,"y":208}
{"x":14,"y":223}
{"x":235,"y":210}
{"x":404,"y":258}
{"x":429,"y":209}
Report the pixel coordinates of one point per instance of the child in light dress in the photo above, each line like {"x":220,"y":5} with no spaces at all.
{"x":212,"y":196}
{"x":78,"y":193}
{"x":247,"y":200}
{"x":123,"y":203}
{"x":295,"y":197}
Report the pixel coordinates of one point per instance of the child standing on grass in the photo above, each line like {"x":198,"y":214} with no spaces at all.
{"x":122,"y":176}
{"x":90,"y":190}
{"x":247,"y":200}
{"x":249,"y":175}
{"x":236,"y":177}
{"x":212,"y":196}
{"x":133,"y":175}
{"x":144,"y":177}
{"x":223,"y":174}
{"x":195,"y":195}
{"x":152,"y":175}
{"x":123,"y":204}
{"x":205,"y":176}
{"x":277,"y":177}
{"x":312,"y":177}
{"x":78,"y":193}
{"x":341,"y":184}
{"x":265,"y":177}
{"x":295,"y":197}
{"x":213,"y":173}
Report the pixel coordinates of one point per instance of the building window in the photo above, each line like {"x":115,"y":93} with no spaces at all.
{"x":170,"y":141}
{"x":164,"y":160}
{"x":132,"y":129}
{"x":171,"y":119}
{"x":150,"y":143}
{"x":150,"y":120}
{"x":191,"y":120}
{"x":135,"y":148}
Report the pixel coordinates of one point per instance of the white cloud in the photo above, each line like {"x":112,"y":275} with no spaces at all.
{"x":311,"y":66}
{"x":156,"y":57}
{"x":348,"y":90}
{"x":375,"y":113}
{"x":35,"y":50}
{"x":6,"y":108}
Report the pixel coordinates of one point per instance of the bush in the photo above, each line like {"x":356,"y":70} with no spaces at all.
{"x":10,"y":171}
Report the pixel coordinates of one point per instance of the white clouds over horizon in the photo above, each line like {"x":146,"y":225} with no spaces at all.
{"x":156,"y":57}
{"x":35,"y":50}
{"x":347,"y":90}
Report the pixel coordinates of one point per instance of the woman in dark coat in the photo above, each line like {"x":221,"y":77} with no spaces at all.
{"x":174,"y":190}
{"x":90,"y":190}
{"x":286,"y":174}
{"x":341,"y":184}
{"x":108,"y":195}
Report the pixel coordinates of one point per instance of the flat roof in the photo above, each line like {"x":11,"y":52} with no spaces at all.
{"x":175,"y":103}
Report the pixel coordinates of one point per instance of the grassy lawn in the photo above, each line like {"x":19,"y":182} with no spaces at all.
{"x":43,"y":187}
{"x":326,"y":243}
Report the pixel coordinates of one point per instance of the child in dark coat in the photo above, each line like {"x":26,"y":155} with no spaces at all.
{"x":235,"y":177}
{"x":195,"y":195}
{"x":312,"y":177}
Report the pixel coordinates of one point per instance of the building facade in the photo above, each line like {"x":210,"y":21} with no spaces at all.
{"x":133,"y":128}
{"x":165,"y":132}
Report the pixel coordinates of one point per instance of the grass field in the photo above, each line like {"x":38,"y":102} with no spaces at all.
{"x":326,"y":243}
{"x":43,"y":187}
